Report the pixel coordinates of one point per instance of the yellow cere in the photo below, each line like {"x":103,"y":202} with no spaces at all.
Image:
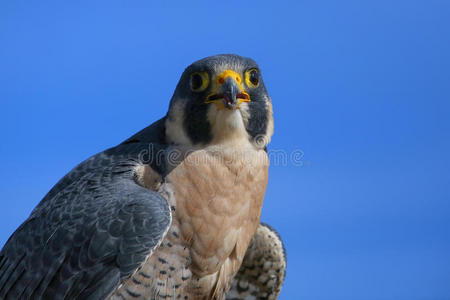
{"x":220,"y":79}
{"x":229,"y":73}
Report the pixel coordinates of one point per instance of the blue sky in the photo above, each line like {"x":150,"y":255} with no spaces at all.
{"x":362,"y":88}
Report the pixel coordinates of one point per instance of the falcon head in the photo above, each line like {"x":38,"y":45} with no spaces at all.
{"x":220,"y":100}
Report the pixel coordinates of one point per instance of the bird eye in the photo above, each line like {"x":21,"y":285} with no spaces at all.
{"x":199,"y":81}
{"x":252,"y":78}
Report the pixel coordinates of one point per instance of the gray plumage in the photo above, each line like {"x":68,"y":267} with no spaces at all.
{"x":92,"y":230}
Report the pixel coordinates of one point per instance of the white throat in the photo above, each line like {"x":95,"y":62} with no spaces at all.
{"x":227,"y":127}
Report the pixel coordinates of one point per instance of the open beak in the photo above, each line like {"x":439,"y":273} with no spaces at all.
{"x":229,"y":93}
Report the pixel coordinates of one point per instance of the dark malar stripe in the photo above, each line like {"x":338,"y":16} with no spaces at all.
{"x":196,"y":123}
{"x":257,"y":122}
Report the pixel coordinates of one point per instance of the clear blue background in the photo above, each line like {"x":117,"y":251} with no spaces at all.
{"x":361,"y":87}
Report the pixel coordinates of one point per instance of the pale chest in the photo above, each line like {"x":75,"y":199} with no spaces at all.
{"x":216,"y":201}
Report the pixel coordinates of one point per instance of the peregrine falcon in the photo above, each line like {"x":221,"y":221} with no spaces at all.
{"x":173,"y":212}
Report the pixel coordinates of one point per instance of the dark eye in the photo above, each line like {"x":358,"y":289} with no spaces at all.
{"x":199,"y":81}
{"x":196,"y":81}
{"x":252,"y":77}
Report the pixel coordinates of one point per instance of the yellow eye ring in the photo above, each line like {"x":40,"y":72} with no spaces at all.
{"x":199,"y":81}
{"x":252,"y":78}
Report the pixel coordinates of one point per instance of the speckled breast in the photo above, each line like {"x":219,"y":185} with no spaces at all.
{"x":216,"y":199}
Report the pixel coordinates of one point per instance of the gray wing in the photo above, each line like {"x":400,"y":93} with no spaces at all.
{"x":155,"y":133}
{"x":88,"y":234}
{"x":263,"y":269}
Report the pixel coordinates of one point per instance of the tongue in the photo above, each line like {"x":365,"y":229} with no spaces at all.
{"x":228,"y":100}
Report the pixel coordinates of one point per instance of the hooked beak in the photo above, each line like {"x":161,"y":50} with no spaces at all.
{"x":230,"y":93}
